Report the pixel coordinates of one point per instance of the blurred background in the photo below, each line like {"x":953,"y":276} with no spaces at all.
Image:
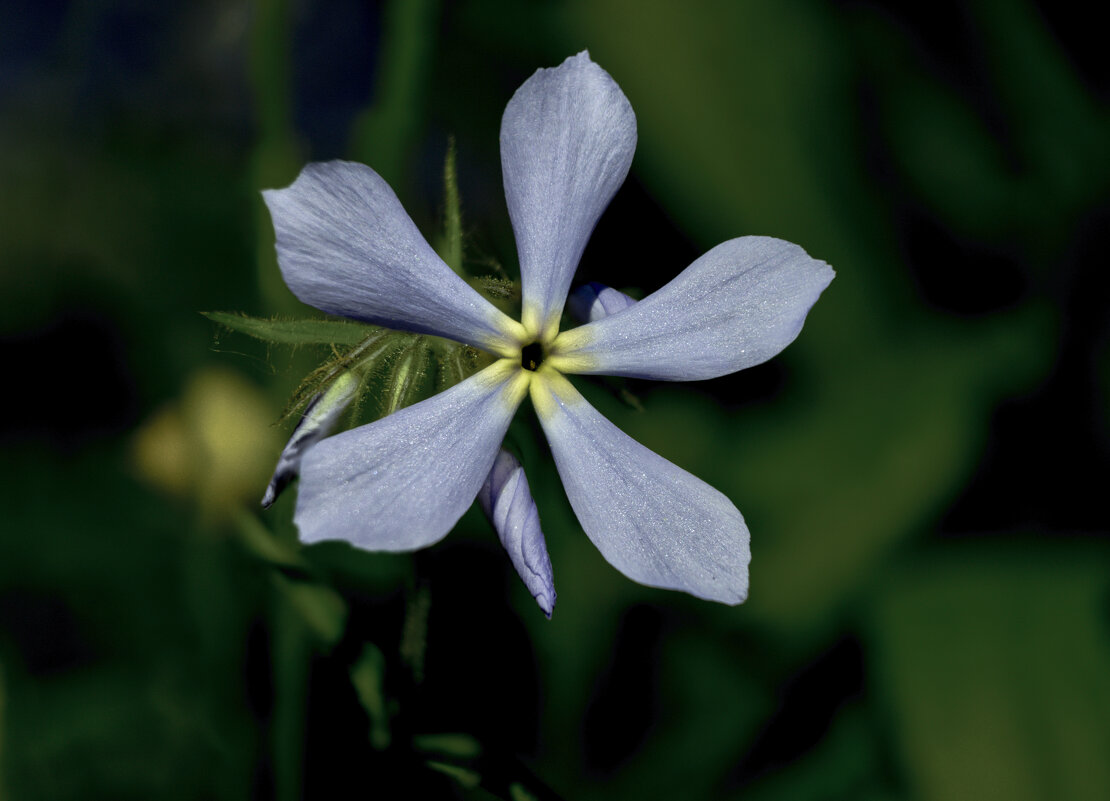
{"x":924,"y":470}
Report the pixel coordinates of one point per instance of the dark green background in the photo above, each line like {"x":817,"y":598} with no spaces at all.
{"x":923,"y":471}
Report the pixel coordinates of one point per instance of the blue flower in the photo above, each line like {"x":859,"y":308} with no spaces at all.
{"x":346,"y":246}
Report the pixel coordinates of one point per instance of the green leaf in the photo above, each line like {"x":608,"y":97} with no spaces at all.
{"x":847,"y":762}
{"x":518,"y":792}
{"x":320,"y":608}
{"x":261,"y":542}
{"x":464,"y":776}
{"x":414,"y":636}
{"x":992,"y":660}
{"x":294,"y":332}
{"x":460,"y":746}
{"x":490,"y":773}
{"x":3,"y":728}
{"x":368,"y":676}
{"x":384,"y":134}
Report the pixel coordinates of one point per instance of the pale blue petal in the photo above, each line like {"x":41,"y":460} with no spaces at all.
{"x":402,"y":482}
{"x":650,"y":519}
{"x":736,"y":306}
{"x":567,"y":140}
{"x":593,"y":301}
{"x":319,"y":418}
{"x":508,"y":504}
{"x":346,"y":246}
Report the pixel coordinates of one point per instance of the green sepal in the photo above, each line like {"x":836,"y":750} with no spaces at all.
{"x":497,"y":288}
{"x":452,"y":248}
{"x":294,"y":332}
{"x":377,"y":346}
{"x":405,"y":378}
{"x":457,"y":362}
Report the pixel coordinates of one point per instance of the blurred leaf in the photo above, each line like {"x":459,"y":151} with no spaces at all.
{"x":3,"y":731}
{"x":294,"y":332}
{"x":884,"y":414}
{"x":738,"y":124}
{"x":713,"y":705}
{"x":948,"y":154}
{"x":518,"y":792}
{"x":276,"y":157}
{"x":1058,"y":125}
{"x":1032,"y":178}
{"x":293,"y":649}
{"x":992,"y":660}
{"x":270,"y":37}
{"x":845,"y":764}
{"x":368,"y":678}
{"x":262,"y":542}
{"x":459,"y":746}
{"x":320,"y":608}
{"x":414,"y":634}
{"x":135,"y":686}
{"x":385,"y":134}
{"x":108,"y":732}
{"x":463,"y":758}
{"x":464,"y":776}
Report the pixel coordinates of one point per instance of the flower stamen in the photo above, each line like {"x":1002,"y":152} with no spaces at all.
{"x":531,"y":356}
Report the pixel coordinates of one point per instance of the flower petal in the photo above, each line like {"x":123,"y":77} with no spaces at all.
{"x":650,"y":519}
{"x":567,"y":140}
{"x":592,"y":301}
{"x":346,"y":246}
{"x":508,"y":504}
{"x":735,"y":307}
{"x":402,"y":482}
{"x":319,"y":418}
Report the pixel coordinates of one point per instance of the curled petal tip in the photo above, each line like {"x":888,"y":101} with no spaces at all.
{"x":507,"y":501}
{"x":318,"y":420}
{"x":272,"y":491}
{"x":546,"y":604}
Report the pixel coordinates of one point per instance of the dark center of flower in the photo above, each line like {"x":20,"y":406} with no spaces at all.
{"x":531,"y":356}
